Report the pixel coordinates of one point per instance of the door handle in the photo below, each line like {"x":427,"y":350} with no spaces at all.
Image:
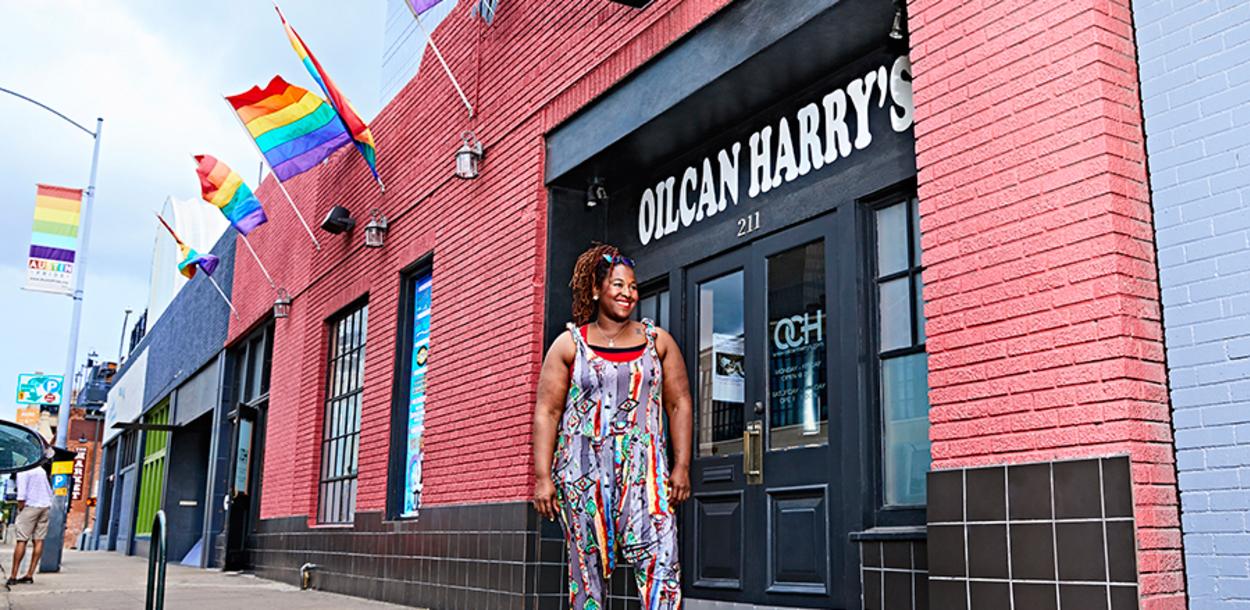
{"x":753,"y":452}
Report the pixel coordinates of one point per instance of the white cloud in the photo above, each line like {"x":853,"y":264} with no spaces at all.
{"x":156,"y":72}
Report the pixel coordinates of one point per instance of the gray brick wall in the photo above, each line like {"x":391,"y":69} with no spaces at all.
{"x":1194,"y":57}
{"x":191,"y":331}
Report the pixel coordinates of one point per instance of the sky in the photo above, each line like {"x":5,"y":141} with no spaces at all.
{"x":156,"y":72}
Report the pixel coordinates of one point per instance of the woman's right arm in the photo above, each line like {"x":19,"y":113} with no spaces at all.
{"x":553,"y":388}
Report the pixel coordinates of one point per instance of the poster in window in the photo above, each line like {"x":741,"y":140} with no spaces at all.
{"x":728,"y":369}
{"x":243,"y":456}
{"x":416,"y":394}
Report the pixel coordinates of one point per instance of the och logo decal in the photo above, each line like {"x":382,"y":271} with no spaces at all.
{"x":796,"y":331}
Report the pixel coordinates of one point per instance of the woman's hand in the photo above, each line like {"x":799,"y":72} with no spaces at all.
{"x":678,"y":485}
{"x":545,"y":498}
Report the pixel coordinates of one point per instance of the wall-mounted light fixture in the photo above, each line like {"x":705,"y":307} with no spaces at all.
{"x":375,"y":231}
{"x":469,"y":156}
{"x":898,"y":31}
{"x":282,"y":304}
{"x":339,"y":220}
{"x":596,"y":193}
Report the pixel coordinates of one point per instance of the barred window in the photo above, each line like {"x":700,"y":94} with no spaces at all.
{"x":340,"y":439}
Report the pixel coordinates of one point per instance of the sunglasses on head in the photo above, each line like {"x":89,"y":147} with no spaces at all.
{"x":619,"y":260}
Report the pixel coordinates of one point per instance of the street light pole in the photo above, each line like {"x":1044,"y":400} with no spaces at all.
{"x":80,"y":274}
{"x":51,"y":560}
{"x":121,"y":343}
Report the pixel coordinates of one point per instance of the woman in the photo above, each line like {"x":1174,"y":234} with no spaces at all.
{"x":600,"y":395}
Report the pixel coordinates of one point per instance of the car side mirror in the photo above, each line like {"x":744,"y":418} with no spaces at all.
{"x":21,"y":448}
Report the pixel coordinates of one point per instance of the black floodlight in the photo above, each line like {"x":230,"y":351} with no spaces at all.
{"x":339,"y":220}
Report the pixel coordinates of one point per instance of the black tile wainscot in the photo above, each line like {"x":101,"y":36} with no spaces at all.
{"x":479,"y":557}
{"x":894,"y":569}
{"x":1040,"y":536}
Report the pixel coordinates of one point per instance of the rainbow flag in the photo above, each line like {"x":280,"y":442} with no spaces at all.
{"x":421,"y":6}
{"x":222,"y":187}
{"x":50,"y":267}
{"x":190,"y":258}
{"x":293,"y":128}
{"x":361,"y":135}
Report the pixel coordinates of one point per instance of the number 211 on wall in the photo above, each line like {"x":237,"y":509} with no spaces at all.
{"x":748,"y":224}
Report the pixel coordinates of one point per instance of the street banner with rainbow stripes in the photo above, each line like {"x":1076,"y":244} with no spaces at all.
{"x":361,"y":136}
{"x":54,"y":241}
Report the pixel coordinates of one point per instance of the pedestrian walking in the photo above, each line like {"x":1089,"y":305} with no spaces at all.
{"x":34,"y":500}
{"x":601,"y":396}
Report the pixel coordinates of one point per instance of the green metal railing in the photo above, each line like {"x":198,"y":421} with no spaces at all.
{"x":156,"y":564}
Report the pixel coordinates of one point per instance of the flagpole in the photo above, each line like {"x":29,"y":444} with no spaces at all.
{"x":258,"y":263}
{"x":223,"y":295}
{"x":439,"y":55}
{"x":275,"y":175}
{"x":178,"y":240}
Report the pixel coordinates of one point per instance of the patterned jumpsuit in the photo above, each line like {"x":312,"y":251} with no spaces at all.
{"x":611,"y":476}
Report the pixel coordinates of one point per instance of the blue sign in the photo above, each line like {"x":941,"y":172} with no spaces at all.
{"x":39,"y":389}
{"x":416,"y":393}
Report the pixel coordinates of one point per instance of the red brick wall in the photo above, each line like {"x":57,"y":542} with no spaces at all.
{"x":532,"y":69}
{"x":1043,"y":314}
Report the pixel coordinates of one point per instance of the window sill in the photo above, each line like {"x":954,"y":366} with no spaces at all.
{"x":907,"y":532}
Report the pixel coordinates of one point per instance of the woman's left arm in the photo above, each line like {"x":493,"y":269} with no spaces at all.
{"x":677,"y":403}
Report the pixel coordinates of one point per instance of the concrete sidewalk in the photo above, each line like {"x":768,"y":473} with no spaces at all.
{"x":109,"y":581}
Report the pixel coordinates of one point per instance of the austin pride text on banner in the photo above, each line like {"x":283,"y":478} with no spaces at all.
{"x":416,"y":393}
{"x":50,"y":267}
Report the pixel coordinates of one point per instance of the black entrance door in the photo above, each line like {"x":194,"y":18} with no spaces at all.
{"x":760,"y":528}
{"x":243,"y":495}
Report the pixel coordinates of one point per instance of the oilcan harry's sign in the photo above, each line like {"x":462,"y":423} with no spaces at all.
{"x":816,"y":136}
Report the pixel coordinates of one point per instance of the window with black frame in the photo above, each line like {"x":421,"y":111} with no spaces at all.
{"x":129,"y":448}
{"x":903,"y":363}
{"x":653,"y":303}
{"x":252,"y":363}
{"x":341,"y":426}
{"x":253,"y":359}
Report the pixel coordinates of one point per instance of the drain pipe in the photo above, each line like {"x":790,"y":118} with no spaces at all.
{"x":305,"y":575}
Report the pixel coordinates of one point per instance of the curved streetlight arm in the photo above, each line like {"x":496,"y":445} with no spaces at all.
{"x":49,"y":109}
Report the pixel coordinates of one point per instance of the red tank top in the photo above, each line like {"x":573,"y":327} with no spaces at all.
{"x":612,"y":354}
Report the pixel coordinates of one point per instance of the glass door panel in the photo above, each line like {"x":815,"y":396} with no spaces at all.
{"x":798,"y":414}
{"x":721,"y":365}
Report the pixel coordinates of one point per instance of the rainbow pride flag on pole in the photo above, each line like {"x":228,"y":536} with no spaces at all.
{"x":222,"y":187}
{"x":293,"y":128}
{"x":421,"y":6}
{"x":190,"y":258}
{"x":50,"y":267}
{"x":359,"y":130}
